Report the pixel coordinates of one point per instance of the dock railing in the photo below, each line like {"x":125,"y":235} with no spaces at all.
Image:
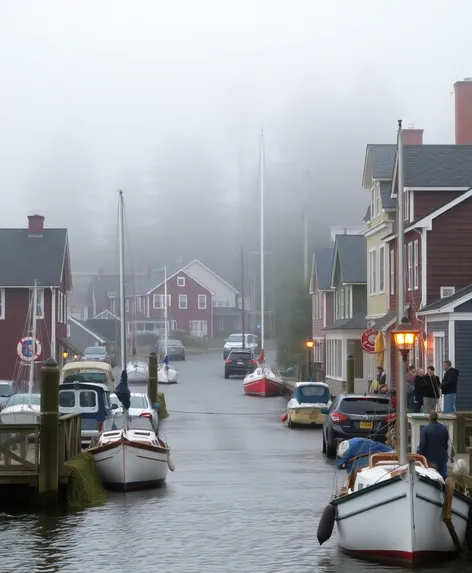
{"x":70,"y":429}
{"x":19,"y":448}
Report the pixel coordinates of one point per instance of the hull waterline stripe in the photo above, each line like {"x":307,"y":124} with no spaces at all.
{"x":406,"y":557}
{"x":369,"y":507}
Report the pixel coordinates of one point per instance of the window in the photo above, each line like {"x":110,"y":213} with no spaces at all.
{"x":334,"y":349}
{"x":2,"y":303}
{"x":88,"y":399}
{"x":139,"y":304}
{"x":180,"y":281}
{"x":182,"y":301}
{"x":158,"y":301}
{"x":416,"y":276}
{"x":410,"y":266}
{"x":68,"y":331}
{"x":202,"y":301}
{"x":406,"y":205}
{"x":317,"y":306}
{"x":382,"y":268}
{"x":438,"y":352}
{"x":198,"y":328}
{"x":339,"y":304}
{"x":372,"y":271}
{"x":40,"y":304}
{"x":347,"y":302}
{"x":67,"y":399}
{"x":64,"y":309}
{"x":392,"y":271}
{"x":375,"y":201}
{"x":59,"y":306}
{"x":447,"y":291}
{"x":127,"y":305}
{"x":354,"y":348}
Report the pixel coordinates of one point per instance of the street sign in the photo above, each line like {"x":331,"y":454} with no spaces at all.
{"x":368,"y":340}
{"x":24,"y":349}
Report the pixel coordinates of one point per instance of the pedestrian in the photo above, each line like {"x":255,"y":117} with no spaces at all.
{"x":434,"y":444}
{"x":431,"y":391}
{"x":449,"y":387}
{"x":379,"y":381}
{"x":418,"y":391}
{"x":410,"y":387}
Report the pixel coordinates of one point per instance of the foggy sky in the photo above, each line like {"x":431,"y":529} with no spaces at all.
{"x":166,"y":100}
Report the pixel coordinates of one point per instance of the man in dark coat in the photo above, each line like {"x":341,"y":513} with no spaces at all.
{"x":431,"y":391}
{"x":449,"y":387}
{"x":434,"y":443}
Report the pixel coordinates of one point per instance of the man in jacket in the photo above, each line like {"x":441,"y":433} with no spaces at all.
{"x":449,"y":387}
{"x":434,"y":443}
{"x":430,"y":391}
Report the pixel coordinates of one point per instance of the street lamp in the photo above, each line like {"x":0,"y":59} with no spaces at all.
{"x":405,"y":335}
{"x":65,"y":354}
{"x":310,"y":344}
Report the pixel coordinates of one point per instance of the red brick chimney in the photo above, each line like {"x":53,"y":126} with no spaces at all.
{"x":35,"y":225}
{"x":412,"y":136}
{"x":463,"y":91}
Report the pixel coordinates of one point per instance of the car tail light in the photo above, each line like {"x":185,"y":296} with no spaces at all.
{"x":338,"y":418}
{"x":146,"y":415}
{"x":391,"y":418}
{"x":252,"y":361}
{"x":181,"y":348}
{"x":228,"y":361}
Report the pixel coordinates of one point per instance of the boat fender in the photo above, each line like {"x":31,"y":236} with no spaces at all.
{"x":170,"y":462}
{"x":326,"y":525}
{"x":284,"y":417}
{"x":468,"y":533}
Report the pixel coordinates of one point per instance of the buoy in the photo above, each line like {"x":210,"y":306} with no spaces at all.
{"x":284,"y":418}
{"x":326,"y":525}
{"x":170,"y":462}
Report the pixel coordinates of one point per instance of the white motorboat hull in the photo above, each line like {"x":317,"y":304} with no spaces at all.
{"x":21,"y":414}
{"x":126,"y":466}
{"x":167,"y":375}
{"x":400,"y":519}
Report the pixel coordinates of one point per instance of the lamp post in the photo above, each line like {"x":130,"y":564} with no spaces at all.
{"x":404,"y":336}
{"x":309,"y":343}
{"x":65,"y":354}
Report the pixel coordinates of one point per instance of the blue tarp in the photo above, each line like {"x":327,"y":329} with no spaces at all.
{"x":312,"y":394}
{"x":360,"y":447}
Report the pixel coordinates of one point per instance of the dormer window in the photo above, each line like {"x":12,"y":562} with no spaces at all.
{"x":375,"y":201}
{"x":180,"y":281}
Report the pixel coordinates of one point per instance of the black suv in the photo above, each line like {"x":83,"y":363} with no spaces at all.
{"x":240,"y":362}
{"x":356,"y":416}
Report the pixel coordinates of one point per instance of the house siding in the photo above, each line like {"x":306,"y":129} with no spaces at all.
{"x":317,"y":323}
{"x":450,"y":250}
{"x":412,"y":296}
{"x":463,"y":362}
{"x":329,"y":308}
{"x":359,"y":299}
{"x":432,"y":328}
{"x":465,"y":307}
{"x":425,"y":202}
{"x":378,"y":303}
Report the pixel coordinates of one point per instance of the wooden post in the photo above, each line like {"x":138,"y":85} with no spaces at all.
{"x":152,"y":380}
{"x":350,"y":374}
{"x":49,"y":447}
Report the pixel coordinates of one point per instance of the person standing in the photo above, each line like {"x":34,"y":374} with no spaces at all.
{"x":430,"y":391}
{"x":410,"y":387}
{"x":418,"y":391}
{"x":379,"y":381}
{"x":434,"y":443}
{"x":449,"y":387}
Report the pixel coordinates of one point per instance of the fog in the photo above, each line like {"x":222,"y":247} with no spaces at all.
{"x":166,"y":100}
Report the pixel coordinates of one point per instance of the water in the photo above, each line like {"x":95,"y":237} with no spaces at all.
{"x":246,"y":497}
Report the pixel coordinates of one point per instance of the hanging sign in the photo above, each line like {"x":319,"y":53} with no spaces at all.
{"x":368,"y":340}
{"x":24,"y":349}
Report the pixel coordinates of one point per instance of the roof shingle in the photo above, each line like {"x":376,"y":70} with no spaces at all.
{"x":323,"y":260}
{"x":438,"y":165}
{"x":442,"y":302}
{"x":357,"y":322}
{"x":352,"y":254}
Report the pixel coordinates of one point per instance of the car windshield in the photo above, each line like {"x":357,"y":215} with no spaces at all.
{"x":174,"y":343}
{"x":17,"y":399}
{"x":134,"y":423}
{"x":312,"y":394}
{"x":95,"y":350}
{"x":138,"y":402}
{"x":235,"y":338}
{"x":361,"y":406}
{"x":5,"y":389}
{"x":86,"y":376}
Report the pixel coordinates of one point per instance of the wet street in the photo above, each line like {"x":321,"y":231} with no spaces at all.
{"x":246,"y":497}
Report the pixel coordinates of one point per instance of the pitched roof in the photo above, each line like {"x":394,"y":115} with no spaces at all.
{"x":80,"y":336}
{"x":366,"y":218}
{"x":357,"y":322}
{"x":389,"y":203}
{"x":440,"y":304}
{"x":379,"y":162}
{"x":218,"y":276}
{"x":322,"y":261}
{"x":108,"y":329}
{"x":387,"y":320}
{"x":438,"y":165}
{"x":24,"y":259}
{"x":351,"y":250}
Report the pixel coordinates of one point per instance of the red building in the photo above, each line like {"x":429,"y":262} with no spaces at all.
{"x":323,"y":300}
{"x":26,"y":256}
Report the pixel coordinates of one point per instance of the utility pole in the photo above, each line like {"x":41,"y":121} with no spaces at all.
{"x":242,"y":297}
{"x":305,"y":230}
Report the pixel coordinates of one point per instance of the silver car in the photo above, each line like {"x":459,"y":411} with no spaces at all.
{"x":236,"y":341}
{"x":140,"y":406}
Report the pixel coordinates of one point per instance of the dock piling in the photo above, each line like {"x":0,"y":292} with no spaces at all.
{"x":152,"y":380}
{"x":48,"y":493}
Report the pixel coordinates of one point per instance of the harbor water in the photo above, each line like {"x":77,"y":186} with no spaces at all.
{"x":246,"y":497}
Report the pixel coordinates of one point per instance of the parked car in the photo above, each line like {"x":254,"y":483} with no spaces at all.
{"x":356,"y":416}
{"x":240,"y":362}
{"x":140,"y":406}
{"x":96,"y":354}
{"x":251,"y":341}
{"x":175,"y":350}
{"x":7,"y":388}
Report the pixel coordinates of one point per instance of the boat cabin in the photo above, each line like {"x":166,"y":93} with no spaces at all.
{"x":88,"y":371}
{"x":312,"y":393}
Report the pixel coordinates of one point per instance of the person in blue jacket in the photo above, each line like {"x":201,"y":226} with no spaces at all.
{"x":434,"y":443}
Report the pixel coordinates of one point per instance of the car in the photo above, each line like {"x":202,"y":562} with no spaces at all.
{"x":96,"y":354}
{"x":175,"y":350}
{"x":241,"y":361}
{"x":356,"y":416}
{"x":236,"y":341}
{"x":140,"y":406}
{"x":7,"y":388}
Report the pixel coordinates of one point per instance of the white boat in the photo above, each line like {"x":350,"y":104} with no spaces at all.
{"x":166,"y":373}
{"x":138,"y":372}
{"x":307,"y":402}
{"x":130,"y":456}
{"x":21,"y":414}
{"x":262,"y":381}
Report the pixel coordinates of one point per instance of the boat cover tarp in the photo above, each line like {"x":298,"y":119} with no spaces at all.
{"x":122,"y":391}
{"x":312,"y":394}
{"x":360,"y":447}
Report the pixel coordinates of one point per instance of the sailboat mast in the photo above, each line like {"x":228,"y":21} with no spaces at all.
{"x":33,"y":337}
{"x":165,"y":309}
{"x":122,"y":280}
{"x":401,"y":386}
{"x":261,"y":166}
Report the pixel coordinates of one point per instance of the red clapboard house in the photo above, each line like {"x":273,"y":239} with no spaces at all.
{"x":29,"y":255}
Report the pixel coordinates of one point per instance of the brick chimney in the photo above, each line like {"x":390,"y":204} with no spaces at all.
{"x":463,"y":93}
{"x":35,"y":225}
{"x":413,"y":136}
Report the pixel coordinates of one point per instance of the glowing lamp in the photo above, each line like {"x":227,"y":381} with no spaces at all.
{"x":65,"y":354}
{"x":405,"y":335}
{"x":309,"y":343}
